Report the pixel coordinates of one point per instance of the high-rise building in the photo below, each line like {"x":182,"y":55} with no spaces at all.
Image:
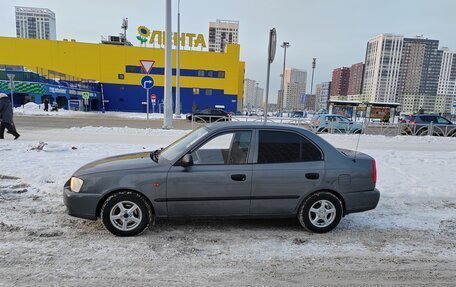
{"x":259,"y":97}
{"x":222,"y":32}
{"x":340,"y":82}
{"x":323,"y":92}
{"x":35,"y":23}
{"x":446,"y":89}
{"x":382,"y":65}
{"x":355,"y":84}
{"x":294,"y":88}
{"x":253,"y":94}
{"x":419,"y":74}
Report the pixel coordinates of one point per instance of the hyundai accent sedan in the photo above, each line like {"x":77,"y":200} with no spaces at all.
{"x":222,"y":170}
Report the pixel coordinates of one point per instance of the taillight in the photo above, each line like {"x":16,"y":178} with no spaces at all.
{"x":317,"y":122}
{"x":374,"y":171}
{"x":413,"y":122}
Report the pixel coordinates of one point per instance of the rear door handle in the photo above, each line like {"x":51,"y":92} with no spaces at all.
{"x":238,"y":177}
{"x":312,"y":175}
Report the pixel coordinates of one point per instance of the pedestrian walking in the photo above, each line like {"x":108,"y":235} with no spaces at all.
{"x":6,"y":117}
{"x":46,"y":105}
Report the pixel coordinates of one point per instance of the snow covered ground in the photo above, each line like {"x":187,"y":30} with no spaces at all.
{"x":32,"y":109}
{"x":410,"y":238}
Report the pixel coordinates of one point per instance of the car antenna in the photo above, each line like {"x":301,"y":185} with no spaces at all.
{"x":357,"y":145}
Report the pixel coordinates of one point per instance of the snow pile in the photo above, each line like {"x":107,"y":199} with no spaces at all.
{"x":32,"y":107}
{"x":38,"y":110}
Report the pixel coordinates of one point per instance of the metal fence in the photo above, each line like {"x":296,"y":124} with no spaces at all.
{"x":367,"y":128}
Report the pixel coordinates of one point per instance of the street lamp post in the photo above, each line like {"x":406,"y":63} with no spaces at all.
{"x":285,"y":45}
{"x":314,"y":64}
{"x":168,"y":105}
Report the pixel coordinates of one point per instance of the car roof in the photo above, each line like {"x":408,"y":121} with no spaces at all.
{"x":252,"y":125}
{"x":426,"y":115}
{"x":324,"y":115}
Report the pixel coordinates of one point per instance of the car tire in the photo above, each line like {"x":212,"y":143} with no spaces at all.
{"x":321,"y":212}
{"x":126,"y":213}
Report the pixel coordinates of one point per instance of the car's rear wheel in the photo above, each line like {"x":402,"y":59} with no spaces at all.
{"x":321,"y":212}
{"x":126,"y":213}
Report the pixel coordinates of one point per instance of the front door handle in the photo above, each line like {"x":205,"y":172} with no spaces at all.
{"x":312,"y":175}
{"x":238,"y":177}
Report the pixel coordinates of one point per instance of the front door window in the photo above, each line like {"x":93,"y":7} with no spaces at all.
{"x":227,"y":148}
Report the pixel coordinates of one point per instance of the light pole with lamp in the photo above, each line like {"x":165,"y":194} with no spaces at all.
{"x":314,"y":64}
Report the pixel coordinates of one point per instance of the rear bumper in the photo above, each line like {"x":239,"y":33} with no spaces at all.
{"x":361,"y":201}
{"x":82,"y":205}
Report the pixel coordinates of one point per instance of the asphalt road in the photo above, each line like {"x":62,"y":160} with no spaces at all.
{"x":48,"y":122}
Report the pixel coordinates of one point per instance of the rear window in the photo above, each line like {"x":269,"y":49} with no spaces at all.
{"x":428,"y":119}
{"x":442,"y":120}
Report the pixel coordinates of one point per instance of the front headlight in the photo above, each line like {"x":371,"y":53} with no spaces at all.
{"x":76,"y":184}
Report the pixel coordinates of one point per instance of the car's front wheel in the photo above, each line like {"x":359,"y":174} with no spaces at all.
{"x":321,"y":212}
{"x":126,"y":213}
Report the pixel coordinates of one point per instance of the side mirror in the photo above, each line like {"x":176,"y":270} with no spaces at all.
{"x":187,"y":160}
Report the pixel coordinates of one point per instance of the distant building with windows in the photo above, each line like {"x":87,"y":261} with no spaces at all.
{"x":294,"y":88}
{"x":221,"y":33}
{"x":323,"y":92}
{"x":419,"y":74}
{"x":253,"y":94}
{"x":35,"y":23}
{"x":355,"y":84}
{"x":340,"y":82}
{"x":382,"y":65}
{"x":446,"y":90}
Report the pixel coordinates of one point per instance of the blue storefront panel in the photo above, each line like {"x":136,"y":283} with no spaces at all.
{"x":130,"y":98}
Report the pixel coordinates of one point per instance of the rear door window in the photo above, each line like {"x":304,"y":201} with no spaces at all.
{"x":283,"y":147}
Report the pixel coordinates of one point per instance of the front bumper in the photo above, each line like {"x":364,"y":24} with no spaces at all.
{"x":361,"y":201}
{"x":83,"y":205}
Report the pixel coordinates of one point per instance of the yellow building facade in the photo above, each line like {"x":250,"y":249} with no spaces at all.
{"x":208,"y":79}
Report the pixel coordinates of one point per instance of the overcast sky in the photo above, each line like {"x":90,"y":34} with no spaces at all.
{"x":333,"y":31}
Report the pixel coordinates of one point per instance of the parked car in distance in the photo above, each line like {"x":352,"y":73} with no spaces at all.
{"x":325,"y":123}
{"x":210,"y":115}
{"x":420,"y":124}
{"x":236,"y":169}
{"x":298,"y":114}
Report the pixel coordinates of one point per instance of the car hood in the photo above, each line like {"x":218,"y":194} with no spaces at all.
{"x":116,"y":163}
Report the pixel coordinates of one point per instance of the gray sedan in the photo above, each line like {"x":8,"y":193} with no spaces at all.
{"x":227,"y":170}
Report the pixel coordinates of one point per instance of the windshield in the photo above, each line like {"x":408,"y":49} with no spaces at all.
{"x":342,"y":119}
{"x":175,"y":149}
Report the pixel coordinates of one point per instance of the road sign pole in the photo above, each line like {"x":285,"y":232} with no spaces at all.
{"x":102,"y":99}
{"x":147,"y":101}
{"x":11,"y":78}
{"x":12,"y":93}
{"x":271,"y":55}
